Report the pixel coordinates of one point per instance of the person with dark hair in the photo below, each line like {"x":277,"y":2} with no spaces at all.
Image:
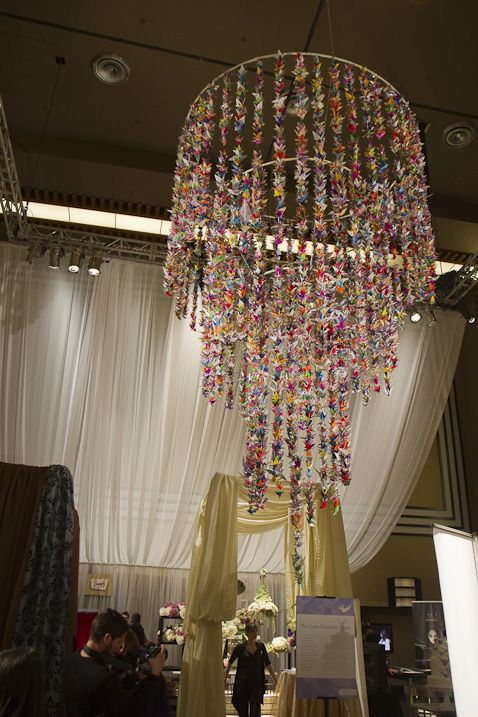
{"x":368,"y":634}
{"x":250,"y":682}
{"x":125,"y":614}
{"x":21,"y":683}
{"x":137,"y":628}
{"x":127,"y":657}
{"x":92,"y":685}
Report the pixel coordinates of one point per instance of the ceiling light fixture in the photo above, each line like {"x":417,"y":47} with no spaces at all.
{"x":415,"y":316}
{"x":94,"y":265}
{"x":75,"y":261}
{"x":110,"y":69}
{"x":306,"y":326}
{"x":56,"y":252}
{"x":458,"y":135}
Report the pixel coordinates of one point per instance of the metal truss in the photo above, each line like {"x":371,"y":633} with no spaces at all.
{"x":453,"y":286}
{"x":42,"y":236}
{"x":11,"y":201}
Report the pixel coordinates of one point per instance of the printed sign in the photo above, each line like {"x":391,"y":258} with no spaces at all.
{"x":98,"y":584}
{"x":325,"y":648}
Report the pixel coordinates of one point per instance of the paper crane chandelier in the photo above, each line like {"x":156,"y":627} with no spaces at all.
{"x":300,"y":239}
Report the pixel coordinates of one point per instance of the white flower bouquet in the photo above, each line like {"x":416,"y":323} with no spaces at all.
{"x":280,"y":644}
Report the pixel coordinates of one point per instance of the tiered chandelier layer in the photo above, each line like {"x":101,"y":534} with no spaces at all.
{"x":300,"y":238}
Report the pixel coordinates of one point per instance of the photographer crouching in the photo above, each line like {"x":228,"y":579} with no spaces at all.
{"x":93,"y":685}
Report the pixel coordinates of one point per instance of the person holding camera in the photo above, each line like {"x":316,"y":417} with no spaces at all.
{"x":92,"y":681}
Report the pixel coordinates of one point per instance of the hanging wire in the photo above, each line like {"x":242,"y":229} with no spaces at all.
{"x":45,"y":124}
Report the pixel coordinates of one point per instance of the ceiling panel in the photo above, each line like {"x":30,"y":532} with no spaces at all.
{"x":426,"y":48}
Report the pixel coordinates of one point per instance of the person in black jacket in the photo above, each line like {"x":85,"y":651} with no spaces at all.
{"x":21,"y":683}
{"x":250,"y":682}
{"x":137,"y":628}
{"x":94,"y":688}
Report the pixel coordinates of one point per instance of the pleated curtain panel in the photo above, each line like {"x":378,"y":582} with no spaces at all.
{"x":39,"y":568}
{"x":100,"y":376}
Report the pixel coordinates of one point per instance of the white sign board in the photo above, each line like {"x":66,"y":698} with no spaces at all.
{"x":325,"y":647}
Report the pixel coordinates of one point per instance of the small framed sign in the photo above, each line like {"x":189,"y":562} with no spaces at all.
{"x":99,"y":584}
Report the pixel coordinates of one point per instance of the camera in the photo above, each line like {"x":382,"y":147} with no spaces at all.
{"x":145,"y":653}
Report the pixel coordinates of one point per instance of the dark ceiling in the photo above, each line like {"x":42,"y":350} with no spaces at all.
{"x":71,"y":133}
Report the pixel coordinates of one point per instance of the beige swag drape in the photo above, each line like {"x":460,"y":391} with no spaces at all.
{"x":212,"y":585}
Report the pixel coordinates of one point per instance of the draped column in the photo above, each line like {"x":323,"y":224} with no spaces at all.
{"x":211,"y":598}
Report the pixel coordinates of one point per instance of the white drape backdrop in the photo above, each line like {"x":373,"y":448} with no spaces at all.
{"x":101,"y":376}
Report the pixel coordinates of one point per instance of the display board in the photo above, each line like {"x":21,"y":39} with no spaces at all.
{"x":431,"y":646}
{"x":325,"y":647}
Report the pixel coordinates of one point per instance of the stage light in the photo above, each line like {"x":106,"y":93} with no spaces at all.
{"x":56,"y":252}
{"x":75,"y":261}
{"x":415,"y":317}
{"x":94,"y":265}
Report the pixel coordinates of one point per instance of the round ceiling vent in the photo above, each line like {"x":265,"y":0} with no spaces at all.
{"x":111,"y":69}
{"x":458,"y":135}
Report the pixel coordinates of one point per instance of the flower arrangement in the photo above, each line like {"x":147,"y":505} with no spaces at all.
{"x":173,"y":633}
{"x":173,"y":609}
{"x":180,"y":635}
{"x":279,"y":644}
{"x":237,"y":626}
{"x":169,"y":634}
{"x":262,"y":606}
{"x":229,"y":629}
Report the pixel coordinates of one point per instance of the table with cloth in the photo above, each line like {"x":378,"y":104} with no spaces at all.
{"x":286,"y":704}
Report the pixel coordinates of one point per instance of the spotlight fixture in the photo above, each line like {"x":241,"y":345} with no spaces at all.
{"x":110,"y":69}
{"x":56,"y":252}
{"x":75,"y":261}
{"x":463,"y":306}
{"x":94,"y":265}
{"x":415,"y":317}
{"x":458,"y":135}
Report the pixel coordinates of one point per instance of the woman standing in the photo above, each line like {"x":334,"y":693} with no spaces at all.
{"x":250,"y":682}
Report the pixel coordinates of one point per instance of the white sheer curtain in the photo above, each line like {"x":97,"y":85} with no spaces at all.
{"x":392,"y":436}
{"x":101,"y":376}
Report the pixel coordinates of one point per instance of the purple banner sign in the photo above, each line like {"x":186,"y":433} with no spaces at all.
{"x":325,"y":647}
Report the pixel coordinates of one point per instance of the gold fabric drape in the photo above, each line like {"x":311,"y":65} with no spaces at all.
{"x":212,"y":584}
{"x":212,"y":592}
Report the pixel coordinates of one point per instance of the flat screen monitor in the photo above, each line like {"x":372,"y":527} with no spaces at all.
{"x":384,"y":634}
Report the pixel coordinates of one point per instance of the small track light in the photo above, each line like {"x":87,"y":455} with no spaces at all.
{"x":415,"y":317}
{"x":56,"y":252}
{"x":75,"y":261}
{"x":94,"y":265}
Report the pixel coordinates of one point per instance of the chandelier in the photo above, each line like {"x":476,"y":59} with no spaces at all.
{"x":300,"y":239}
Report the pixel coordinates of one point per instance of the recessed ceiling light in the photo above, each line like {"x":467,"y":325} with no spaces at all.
{"x":110,"y":69}
{"x":458,"y":135}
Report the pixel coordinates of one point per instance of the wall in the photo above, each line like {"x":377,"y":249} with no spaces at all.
{"x":402,"y":555}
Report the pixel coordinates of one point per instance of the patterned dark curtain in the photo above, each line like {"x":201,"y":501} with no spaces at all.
{"x":44,"y":618}
{"x":21,"y":489}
